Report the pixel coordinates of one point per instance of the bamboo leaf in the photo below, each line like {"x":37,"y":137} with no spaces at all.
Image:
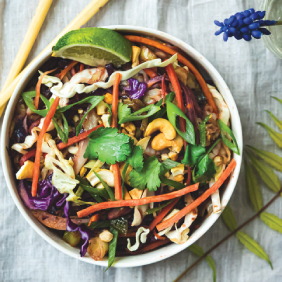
{"x":254,"y":190}
{"x":277,"y":137}
{"x":272,"y":159}
{"x":229,"y":218}
{"x":272,"y":221}
{"x":276,"y":120}
{"x":197,"y":250}
{"x":266,"y":173}
{"x":279,"y":100}
{"x":253,"y":246}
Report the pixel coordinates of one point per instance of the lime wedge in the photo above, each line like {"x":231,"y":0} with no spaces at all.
{"x":94,"y":46}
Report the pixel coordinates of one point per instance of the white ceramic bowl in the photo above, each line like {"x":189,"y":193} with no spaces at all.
{"x":163,"y":252}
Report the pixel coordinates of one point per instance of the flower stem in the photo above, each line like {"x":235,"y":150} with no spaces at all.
{"x":228,"y":236}
{"x":278,"y":23}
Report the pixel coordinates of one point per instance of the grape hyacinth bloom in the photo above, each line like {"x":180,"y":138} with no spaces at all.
{"x":246,"y":25}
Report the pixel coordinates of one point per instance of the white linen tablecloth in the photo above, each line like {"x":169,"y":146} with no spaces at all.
{"x":252,"y":73}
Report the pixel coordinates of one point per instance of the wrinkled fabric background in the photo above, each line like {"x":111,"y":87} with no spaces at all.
{"x":252,"y":73}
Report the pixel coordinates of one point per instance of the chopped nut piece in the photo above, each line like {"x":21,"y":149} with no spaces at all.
{"x":106,"y":236}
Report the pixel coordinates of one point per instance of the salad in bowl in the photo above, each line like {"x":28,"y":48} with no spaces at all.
{"x":119,"y":145}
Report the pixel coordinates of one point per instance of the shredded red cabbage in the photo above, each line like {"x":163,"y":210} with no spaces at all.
{"x":85,"y":233}
{"x":135,"y":89}
{"x":47,"y":196}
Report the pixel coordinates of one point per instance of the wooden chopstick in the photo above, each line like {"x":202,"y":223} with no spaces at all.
{"x":30,"y":36}
{"x":84,"y":16}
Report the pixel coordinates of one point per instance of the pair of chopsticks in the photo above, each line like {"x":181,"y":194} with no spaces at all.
{"x":15,"y":75}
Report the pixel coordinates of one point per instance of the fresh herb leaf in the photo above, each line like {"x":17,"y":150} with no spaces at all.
{"x":120,"y":224}
{"x":254,"y":190}
{"x":27,"y":96}
{"x":138,"y":115}
{"x":172,"y":113}
{"x":198,"y":251}
{"x":168,"y":164}
{"x":276,"y":120}
{"x":148,"y":176}
{"x":106,"y":186}
{"x":277,"y":137}
{"x":271,"y":220}
{"x":123,"y":111}
{"x":193,"y":154}
{"x":168,"y":98}
{"x":229,"y":218}
{"x":224,"y":130}
{"x":110,"y":113}
{"x":202,"y":129}
{"x":112,"y":247}
{"x":94,"y":102}
{"x":253,"y":246}
{"x":272,"y":159}
{"x":108,"y":146}
{"x":160,"y":207}
{"x":99,"y":224}
{"x":136,"y":158}
{"x":204,"y":170}
{"x":266,"y":173}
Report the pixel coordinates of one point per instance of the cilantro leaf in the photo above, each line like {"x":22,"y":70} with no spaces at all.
{"x":169,"y":164}
{"x":138,"y":115}
{"x":193,"y":154}
{"x":204,"y":170}
{"x":148,"y":176}
{"x":108,"y":146}
{"x":136,"y":158}
{"x":123,"y":111}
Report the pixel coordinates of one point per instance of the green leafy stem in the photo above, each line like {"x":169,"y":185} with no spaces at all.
{"x":229,"y":236}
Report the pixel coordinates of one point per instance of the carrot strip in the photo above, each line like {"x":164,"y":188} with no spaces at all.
{"x":181,"y":59}
{"x":115,"y":100}
{"x":45,"y":126}
{"x":81,"y":67}
{"x":158,"y":236}
{"x":151,"y":247}
{"x":162,"y":214}
{"x":137,"y":202}
{"x":150,"y":72}
{"x":64,"y":71}
{"x":115,"y":167}
{"x":27,"y":156}
{"x":198,"y":201}
{"x":37,"y":88}
{"x":77,"y":138}
{"x":94,"y":218}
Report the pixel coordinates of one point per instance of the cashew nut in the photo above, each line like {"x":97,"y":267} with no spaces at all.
{"x":144,"y":142}
{"x":135,"y":56}
{"x":160,"y":143}
{"x":106,"y":236}
{"x":105,"y":175}
{"x":162,"y":125}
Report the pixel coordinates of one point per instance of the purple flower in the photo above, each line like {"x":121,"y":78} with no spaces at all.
{"x":246,"y":25}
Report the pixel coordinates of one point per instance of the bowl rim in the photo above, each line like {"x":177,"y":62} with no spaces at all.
{"x":164,"y":252}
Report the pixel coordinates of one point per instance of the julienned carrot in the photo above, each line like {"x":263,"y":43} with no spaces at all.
{"x":45,"y":126}
{"x":27,"y":156}
{"x":181,"y":59}
{"x":117,"y":181}
{"x":150,"y":72}
{"x":64,"y":71}
{"x":77,"y":138}
{"x":81,"y":67}
{"x":138,"y":202}
{"x":94,"y":218}
{"x":158,"y":236}
{"x":162,"y":214}
{"x":198,"y":201}
{"x":115,"y":167}
{"x":115,"y":100}
{"x":151,"y":246}
{"x":37,"y":88}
